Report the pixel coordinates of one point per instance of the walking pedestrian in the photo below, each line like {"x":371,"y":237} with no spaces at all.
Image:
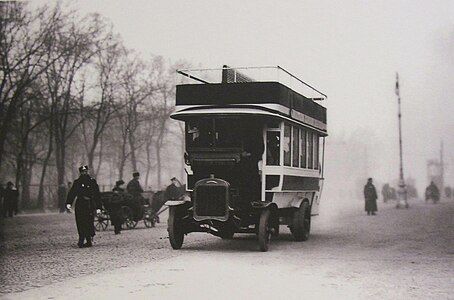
{"x":61,"y":192}
{"x":10,"y":198}
{"x":370,"y":196}
{"x":88,"y":198}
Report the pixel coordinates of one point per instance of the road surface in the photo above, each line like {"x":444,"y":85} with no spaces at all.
{"x":398,"y":254}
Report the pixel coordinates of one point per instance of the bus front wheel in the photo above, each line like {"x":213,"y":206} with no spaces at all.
{"x":176,"y":235}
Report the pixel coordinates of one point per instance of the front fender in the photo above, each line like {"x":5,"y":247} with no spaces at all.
{"x":175,"y":202}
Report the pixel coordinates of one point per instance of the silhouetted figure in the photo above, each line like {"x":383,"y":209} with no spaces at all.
{"x":135,"y":189}
{"x":10,"y":199}
{"x":114,"y":206}
{"x":173,"y":190}
{"x":432,"y":192}
{"x":88,"y":199}
{"x":61,"y":193}
{"x":2,"y":205}
{"x":370,"y":196}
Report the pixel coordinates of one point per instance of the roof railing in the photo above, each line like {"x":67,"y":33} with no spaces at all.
{"x":228,"y":74}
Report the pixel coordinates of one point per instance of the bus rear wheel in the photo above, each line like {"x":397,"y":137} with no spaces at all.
{"x":302,"y":222}
{"x":264,"y":231}
{"x":176,"y":235}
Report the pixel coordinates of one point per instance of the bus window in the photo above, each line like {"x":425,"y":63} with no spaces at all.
{"x":287,"y":144}
{"x":272,"y":148}
{"x":199,"y":133}
{"x":316,"y":149}
{"x":295,"y":146}
{"x":310,"y":150}
{"x":228,"y":132}
{"x":303,"y":153}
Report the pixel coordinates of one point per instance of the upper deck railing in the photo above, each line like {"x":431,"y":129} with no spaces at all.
{"x":228,"y":74}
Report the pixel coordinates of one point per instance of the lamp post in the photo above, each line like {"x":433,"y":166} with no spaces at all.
{"x":402,"y":189}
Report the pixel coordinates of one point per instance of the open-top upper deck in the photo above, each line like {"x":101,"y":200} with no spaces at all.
{"x":238,"y":94}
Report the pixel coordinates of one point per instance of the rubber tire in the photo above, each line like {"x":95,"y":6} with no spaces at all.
{"x":264,"y":233}
{"x":302,"y":222}
{"x":176,"y":235}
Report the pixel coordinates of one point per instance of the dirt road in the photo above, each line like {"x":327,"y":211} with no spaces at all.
{"x":398,"y":254}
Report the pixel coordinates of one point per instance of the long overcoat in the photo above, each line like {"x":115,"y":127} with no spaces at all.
{"x":88,"y":198}
{"x":370,"y":196}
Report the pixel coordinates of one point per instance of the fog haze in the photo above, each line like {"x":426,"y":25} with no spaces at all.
{"x":350,"y":50}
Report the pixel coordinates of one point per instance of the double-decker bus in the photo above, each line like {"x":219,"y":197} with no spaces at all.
{"x":254,"y":155}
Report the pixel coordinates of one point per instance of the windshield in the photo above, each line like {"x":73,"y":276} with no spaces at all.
{"x":214,"y":132}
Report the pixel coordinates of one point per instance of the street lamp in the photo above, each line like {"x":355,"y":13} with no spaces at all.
{"x":402,"y":189}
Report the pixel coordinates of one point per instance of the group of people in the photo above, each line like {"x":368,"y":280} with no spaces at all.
{"x":9,"y":198}
{"x":85,"y":191}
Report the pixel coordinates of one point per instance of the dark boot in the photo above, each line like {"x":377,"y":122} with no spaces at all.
{"x":88,"y":243}
{"x":80,"y":244}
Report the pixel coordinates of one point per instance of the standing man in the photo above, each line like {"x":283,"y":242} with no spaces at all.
{"x":2,"y":206}
{"x":61,"y":192}
{"x":10,"y":199}
{"x":135,"y":189}
{"x":114,"y":206}
{"x":88,"y":198}
{"x":173,"y":191}
{"x":370,"y":195}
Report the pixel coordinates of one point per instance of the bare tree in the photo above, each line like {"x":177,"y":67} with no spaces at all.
{"x":62,"y":75}
{"x":23,"y":56}
{"x":102,"y":109}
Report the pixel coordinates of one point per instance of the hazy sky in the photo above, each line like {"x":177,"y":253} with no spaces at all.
{"x":350,"y":50}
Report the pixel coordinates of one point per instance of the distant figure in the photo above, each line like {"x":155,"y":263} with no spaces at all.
{"x":173,"y":190}
{"x":370,"y":196}
{"x":10,"y":199}
{"x":114,"y":206}
{"x":135,"y":189}
{"x":118,"y":186}
{"x":386,"y":192}
{"x":2,"y":207}
{"x":88,"y":198}
{"x":432,"y":193}
{"x":61,"y":193}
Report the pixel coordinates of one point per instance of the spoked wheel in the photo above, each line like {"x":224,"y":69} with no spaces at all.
{"x":174,"y":227}
{"x":101,"y":221}
{"x":128,"y":218}
{"x":301,"y":222}
{"x":264,"y":232}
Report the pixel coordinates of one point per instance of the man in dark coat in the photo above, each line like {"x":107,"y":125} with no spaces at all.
{"x":2,"y":207}
{"x":10,"y":200}
{"x":370,"y":195}
{"x":114,"y":206}
{"x":88,"y":199}
{"x":135,"y":189}
{"x":61,"y":193}
{"x":432,"y":192}
{"x":173,"y":191}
